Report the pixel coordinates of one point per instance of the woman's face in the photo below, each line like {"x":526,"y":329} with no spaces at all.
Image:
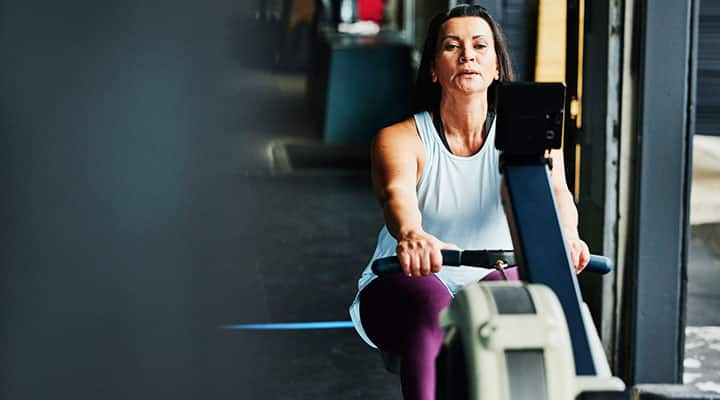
{"x":465,"y":60}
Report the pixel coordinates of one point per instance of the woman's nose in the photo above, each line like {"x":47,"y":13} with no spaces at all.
{"x":467,"y":55}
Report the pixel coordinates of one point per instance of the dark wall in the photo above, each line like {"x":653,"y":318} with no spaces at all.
{"x":519,"y":22}
{"x":109,"y":112}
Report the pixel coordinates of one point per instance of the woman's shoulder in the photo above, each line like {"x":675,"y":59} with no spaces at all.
{"x":396,"y":150}
{"x":398,"y":140}
{"x":402,"y":131}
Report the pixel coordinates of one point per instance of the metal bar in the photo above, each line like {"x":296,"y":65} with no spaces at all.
{"x":291,"y":326}
{"x":540,"y":248}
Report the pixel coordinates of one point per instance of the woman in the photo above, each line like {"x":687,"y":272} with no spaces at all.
{"x":436,"y":177}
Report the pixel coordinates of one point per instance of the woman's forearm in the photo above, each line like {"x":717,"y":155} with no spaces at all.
{"x":402,"y":215}
{"x":567,"y":213}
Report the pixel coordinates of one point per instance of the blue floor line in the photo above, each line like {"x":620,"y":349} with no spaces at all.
{"x":292,"y":326}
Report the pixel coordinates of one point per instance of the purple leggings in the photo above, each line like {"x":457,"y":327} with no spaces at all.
{"x":400,"y":315}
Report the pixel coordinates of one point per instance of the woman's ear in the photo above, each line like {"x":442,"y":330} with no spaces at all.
{"x":433,"y":77}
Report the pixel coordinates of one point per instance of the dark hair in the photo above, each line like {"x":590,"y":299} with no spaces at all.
{"x":427,"y":92}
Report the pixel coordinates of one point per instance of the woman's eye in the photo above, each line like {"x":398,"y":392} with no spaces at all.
{"x":480,"y":46}
{"x":451,"y":46}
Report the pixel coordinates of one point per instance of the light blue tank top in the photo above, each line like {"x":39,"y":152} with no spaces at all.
{"x":460,"y":203}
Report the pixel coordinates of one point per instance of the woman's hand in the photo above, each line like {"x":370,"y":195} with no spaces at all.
{"x":579,"y":253}
{"x":419,"y":253}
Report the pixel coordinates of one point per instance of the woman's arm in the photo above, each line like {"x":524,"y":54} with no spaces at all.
{"x":567,"y":213}
{"x":395,"y":159}
{"x":397,"y":156}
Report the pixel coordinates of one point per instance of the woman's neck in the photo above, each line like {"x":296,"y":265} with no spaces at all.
{"x":463,"y":121}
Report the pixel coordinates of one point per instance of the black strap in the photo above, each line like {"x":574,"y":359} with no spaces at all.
{"x":440,"y":128}
{"x":488,"y":123}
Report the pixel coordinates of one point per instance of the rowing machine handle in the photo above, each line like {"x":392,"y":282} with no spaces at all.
{"x":382,"y":266}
